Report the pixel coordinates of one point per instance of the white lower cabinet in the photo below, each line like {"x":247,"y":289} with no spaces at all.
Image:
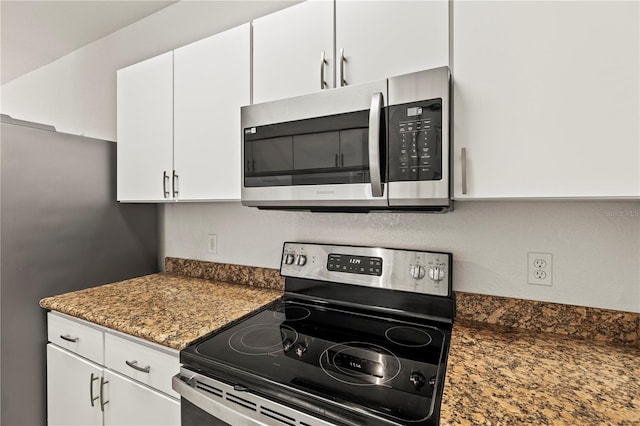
{"x":72,"y":384}
{"x":131,"y":403}
{"x":133,"y":387}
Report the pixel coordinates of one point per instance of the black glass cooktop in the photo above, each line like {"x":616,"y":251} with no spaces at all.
{"x":388,"y":367}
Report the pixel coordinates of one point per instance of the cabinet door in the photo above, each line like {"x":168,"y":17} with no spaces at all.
{"x":145,"y":129}
{"x":72,"y":382}
{"x":546,"y":99}
{"x":287,"y":51}
{"x":212,"y":82}
{"x":386,"y":38}
{"x":132,"y":404}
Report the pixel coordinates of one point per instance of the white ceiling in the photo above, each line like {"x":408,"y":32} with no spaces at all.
{"x":36,"y":33}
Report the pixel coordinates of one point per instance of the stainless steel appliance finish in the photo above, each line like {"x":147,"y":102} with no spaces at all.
{"x":413,"y":271}
{"x":374,"y":146}
{"x":62,"y":230}
{"x":361,"y":336}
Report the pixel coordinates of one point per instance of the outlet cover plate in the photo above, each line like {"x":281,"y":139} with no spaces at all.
{"x":540,"y":268}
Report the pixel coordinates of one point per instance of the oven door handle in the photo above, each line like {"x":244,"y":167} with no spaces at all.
{"x":211,"y":406}
{"x":375,"y":114}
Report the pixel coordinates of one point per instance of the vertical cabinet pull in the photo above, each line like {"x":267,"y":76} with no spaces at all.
{"x":463,"y":160}
{"x":343,"y":82}
{"x":102,"y":401}
{"x":323,"y":63}
{"x":91,"y":398}
{"x":165,"y":181}
{"x":175,"y":184}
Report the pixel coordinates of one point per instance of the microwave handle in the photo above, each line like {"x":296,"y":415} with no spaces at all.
{"x":374,"y":144}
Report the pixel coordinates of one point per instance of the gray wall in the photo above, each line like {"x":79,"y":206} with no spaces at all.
{"x":62,"y":230}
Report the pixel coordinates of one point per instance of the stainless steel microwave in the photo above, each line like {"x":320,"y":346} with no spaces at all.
{"x":382,"y":145}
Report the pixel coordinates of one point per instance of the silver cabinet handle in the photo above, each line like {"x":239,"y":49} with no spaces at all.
{"x":165,"y":181}
{"x":102,"y":401}
{"x":374,"y":144}
{"x":175,"y":184}
{"x":134,"y":364}
{"x":463,"y":159}
{"x":323,"y":63}
{"x":93,"y":379}
{"x":69,"y":338}
{"x":343,"y":82}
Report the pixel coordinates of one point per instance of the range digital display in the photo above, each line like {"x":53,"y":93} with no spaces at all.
{"x":364,"y":265}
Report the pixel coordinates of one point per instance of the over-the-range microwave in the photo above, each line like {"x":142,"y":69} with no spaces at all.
{"x":382,"y":145}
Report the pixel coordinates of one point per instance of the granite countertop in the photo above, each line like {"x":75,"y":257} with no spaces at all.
{"x":170,"y":309}
{"x":498,"y":375}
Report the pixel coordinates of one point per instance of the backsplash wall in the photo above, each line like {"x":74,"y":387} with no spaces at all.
{"x":595,"y":244}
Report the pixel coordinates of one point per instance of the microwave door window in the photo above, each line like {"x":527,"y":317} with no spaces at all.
{"x":316,"y":151}
{"x":354,"y":148}
{"x":271,"y":162}
{"x":273,"y":155}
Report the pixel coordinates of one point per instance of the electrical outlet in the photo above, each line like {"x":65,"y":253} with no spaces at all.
{"x":213,"y":244}
{"x":539,"y":268}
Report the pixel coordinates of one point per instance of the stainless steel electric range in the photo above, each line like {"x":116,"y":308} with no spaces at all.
{"x":360,"y":337}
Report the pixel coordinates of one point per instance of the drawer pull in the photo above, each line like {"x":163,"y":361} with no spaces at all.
{"x":69,"y":338}
{"x":134,"y":364}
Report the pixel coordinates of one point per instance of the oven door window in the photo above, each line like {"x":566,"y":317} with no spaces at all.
{"x":319,"y":151}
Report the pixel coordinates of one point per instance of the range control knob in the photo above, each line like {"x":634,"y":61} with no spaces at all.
{"x":436,"y":273}
{"x":417,"y":272}
{"x":301,"y":260}
{"x":287,"y":344}
{"x":417,"y":378}
{"x":288,"y":259}
{"x":301,"y":348}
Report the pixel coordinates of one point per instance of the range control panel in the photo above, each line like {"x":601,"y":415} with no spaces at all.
{"x":406,"y":270}
{"x":353,"y":264}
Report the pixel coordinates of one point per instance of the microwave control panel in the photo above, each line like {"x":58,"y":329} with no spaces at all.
{"x":415,"y":141}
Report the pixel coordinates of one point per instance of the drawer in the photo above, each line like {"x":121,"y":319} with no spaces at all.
{"x":142,"y":362}
{"x":76,"y":336}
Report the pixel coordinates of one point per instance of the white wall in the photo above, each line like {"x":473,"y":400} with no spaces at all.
{"x":77,"y":93}
{"x":596,"y":244}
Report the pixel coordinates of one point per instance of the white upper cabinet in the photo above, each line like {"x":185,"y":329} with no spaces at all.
{"x":179,"y":121}
{"x":145,"y":129}
{"x":288,"y":47}
{"x":546,"y":99}
{"x":381,"y":39}
{"x":212,"y":82}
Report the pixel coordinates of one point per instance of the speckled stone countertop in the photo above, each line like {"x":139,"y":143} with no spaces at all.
{"x":170,"y":309}
{"x":511,"y":361}
{"x":498,"y":375}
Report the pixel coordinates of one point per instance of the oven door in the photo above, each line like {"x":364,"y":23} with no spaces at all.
{"x":209,"y":402}
{"x":321,"y":150}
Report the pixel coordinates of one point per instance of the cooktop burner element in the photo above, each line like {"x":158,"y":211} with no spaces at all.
{"x":262,"y":339}
{"x":408,"y":336}
{"x":337,"y":332}
{"x":291,"y":313}
{"x":360,"y":363}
